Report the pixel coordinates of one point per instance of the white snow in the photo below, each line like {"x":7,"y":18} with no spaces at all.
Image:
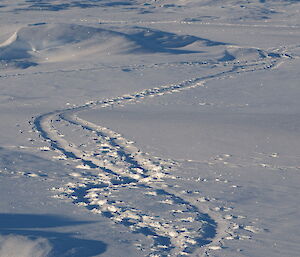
{"x":149,"y":128}
{"x":16,"y":246}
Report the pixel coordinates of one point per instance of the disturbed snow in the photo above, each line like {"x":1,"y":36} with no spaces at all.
{"x":160,"y":128}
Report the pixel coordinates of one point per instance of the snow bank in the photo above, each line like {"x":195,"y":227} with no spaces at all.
{"x":44,"y":43}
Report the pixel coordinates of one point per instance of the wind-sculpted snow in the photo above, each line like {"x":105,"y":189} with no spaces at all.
{"x":43,"y":43}
{"x":38,"y":44}
{"x":113,"y":173}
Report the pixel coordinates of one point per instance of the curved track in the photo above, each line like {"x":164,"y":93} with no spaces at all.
{"x":115,"y":173}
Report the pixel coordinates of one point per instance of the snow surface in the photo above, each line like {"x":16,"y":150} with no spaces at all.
{"x":149,"y":128}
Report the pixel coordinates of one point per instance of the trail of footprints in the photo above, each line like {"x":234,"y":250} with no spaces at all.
{"x":118,"y":181}
{"x":127,"y":186}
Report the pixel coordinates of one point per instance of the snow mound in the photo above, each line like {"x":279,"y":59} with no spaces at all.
{"x":51,"y":43}
{"x":234,"y":53}
{"x":40,"y":43}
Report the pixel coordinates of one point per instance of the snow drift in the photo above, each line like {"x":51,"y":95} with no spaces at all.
{"x":40,"y":43}
{"x":50,"y":43}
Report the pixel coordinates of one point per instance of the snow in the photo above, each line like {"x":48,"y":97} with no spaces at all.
{"x":13,"y":246}
{"x":149,"y":128}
